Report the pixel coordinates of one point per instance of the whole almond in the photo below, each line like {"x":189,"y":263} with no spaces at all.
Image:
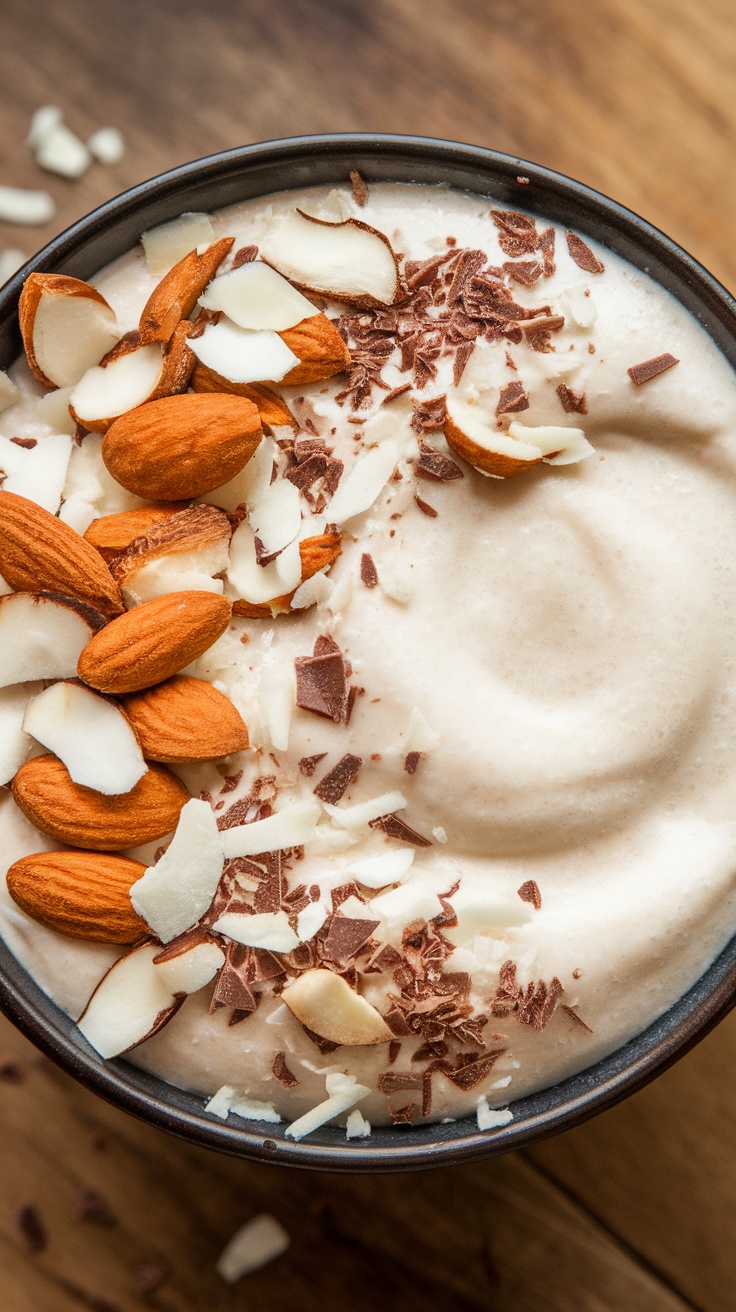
{"x":154,"y":641}
{"x":39,"y":553}
{"x":320,"y":348}
{"x":185,"y":720}
{"x":179,"y":290}
{"x":181,"y":446}
{"x":113,"y":534}
{"x":82,"y":817}
{"x":271,"y":407}
{"x":316,"y":553}
{"x":84,"y":894}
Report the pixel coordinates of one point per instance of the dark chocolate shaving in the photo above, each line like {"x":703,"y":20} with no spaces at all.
{"x":582,"y":255}
{"x":31,"y":1227}
{"x":359,"y":188}
{"x":468,"y":1068}
{"x":428,"y":416}
{"x":571,"y":403}
{"x":529,"y":892}
{"x":432,"y":464}
{"x":308,"y":764}
{"x":337,"y":781}
{"x":533,"y":1006}
{"x":344,"y":936}
{"x":395,"y":827}
{"x":425,"y":507}
{"x":514,"y":397}
{"x":574,"y":1016}
{"x":232,"y":986}
{"x":648,"y":369}
{"x":517,"y":233}
{"x":368,"y":571}
{"x":282,"y":1073}
{"x":525,"y":272}
{"x":27,"y":443}
{"x":394,"y":1048}
{"x":321,"y":682}
{"x":411,"y":761}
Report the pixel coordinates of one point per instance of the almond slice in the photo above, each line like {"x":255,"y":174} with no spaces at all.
{"x":90,"y":735}
{"x":175,"y":893}
{"x":154,"y":641}
{"x":243,"y":356}
{"x":112,"y":534}
{"x":131,"y":1003}
{"x":67,"y":326}
{"x":131,"y":375}
{"x":39,"y":553}
{"x":185,"y":720}
{"x":349,"y":261}
{"x":559,"y":446}
{"x":315,"y":555}
{"x":319,"y":348}
{"x":326,"y":1004}
{"x":81,"y":817}
{"x":181,"y":446}
{"x":470,"y":434}
{"x":179,"y":290}
{"x":191,"y":967}
{"x":42,"y":635}
{"x":272,"y":408}
{"x":83,"y":894}
{"x":173,"y":553}
{"x":256,"y":296}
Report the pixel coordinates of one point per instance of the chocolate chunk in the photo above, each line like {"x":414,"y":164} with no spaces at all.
{"x":411,"y":761}
{"x":394,"y":1048}
{"x":582,"y":255}
{"x":432,"y":464}
{"x":345,"y":937}
{"x":514,"y":397}
{"x":395,"y":827}
{"x":27,"y":442}
{"x":308,"y":764}
{"x":574,"y":1016}
{"x":529,"y":892}
{"x":368,"y":571}
{"x":648,"y":369}
{"x":571,"y":403}
{"x":31,"y":1227}
{"x":246,"y":255}
{"x":425,"y":507}
{"x":525,"y":272}
{"x":321,"y":683}
{"x":282,"y":1073}
{"x":337,"y":781}
{"x":343,"y":892}
{"x":94,"y":1208}
{"x":232,"y":986}
{"x":359,"y":188}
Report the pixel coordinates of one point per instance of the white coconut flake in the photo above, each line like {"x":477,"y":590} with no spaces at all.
{"x":261,"y":584}
{"x":439,"y":834}
{"x":388,"y":868}
{"x":255,"y":1244}
{"x":356,"y":1126}
{"x":176,"y":892}
{"x":255,"y":296}
{"x":227,"y":1099}
{"x":491,"y":1118}
{"x":17,"y":205}
{"x":276,"y":700}
{"x":106,"y":145}
{"x":418,"y":736}
{"x":15,"y":743}
{"x":276,"y":517}
{"x":310,"y":920}
{"x":165,"y":245}
{"x":406,"y":903}
{"x":480,"y":911}
{"x":43,"y":122}
{"x":356,"y":817}
{"x":343,"y":1093}
{"x":37,"y":472}
{"x":242,"y":355}
{"x":570,"y":444}
{"x":291,"y":827}
{"x":365,"y":482}
{"x":269,"y":929}
{"x":60,"y":151}
{"x":312,"y":592}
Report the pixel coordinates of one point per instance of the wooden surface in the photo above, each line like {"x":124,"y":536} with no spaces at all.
{"x":637,"y":1209}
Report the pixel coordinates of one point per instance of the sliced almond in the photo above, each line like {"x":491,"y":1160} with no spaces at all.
{"x":315,"y":554}
{"x":90,"y":735}
{"x":131,"y":1003}
{"x":349,"y":261}
{"x":179,"y":290}
{"x":113,"y":534}
{"x":175,"y":893}
{"x":67,"y":326}
{"x":185,"y":720}
{"x":131,"y":375}
{"x":83,"y":894}
{"x":559,"y":445}
{"x":81,"y":817}
{"x":326,"y":1004}
{"x":470,"y":434}
{"x":42,"y":635}
{"x":273,"y":410}
{"x":192,"y":967}
{"x":181,"y":446}
{"x":154,"y":641}
{"x":319,"y":348}
{"x":242,"y":355}
{"x":256,"y":296}
{"x":193,"y":544}
{"x":39,"y":553}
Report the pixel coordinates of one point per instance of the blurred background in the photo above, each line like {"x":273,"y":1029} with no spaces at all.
{"x":637,"y":1209}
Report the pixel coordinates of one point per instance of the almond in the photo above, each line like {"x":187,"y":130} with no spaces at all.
{"x":192,"y":529}
{"x":320,"y":348}
{"x":179,"y":290}
{"x":113,"y":534}
{"x":348,"y":261}
{"x":181,"y":446}
{"x":272,"y":408}
{"x":186,"y":720}
{"x":84,"y":894}
{"x":130,"y":375}
{"x":82,"y":817}
{"x":470,"y":434}
{"x":39,"y":553}
{"x":154,"y":641}
{"x":325,"y":1003}
{"x":316,"y":553}
{"x":66,"y":326}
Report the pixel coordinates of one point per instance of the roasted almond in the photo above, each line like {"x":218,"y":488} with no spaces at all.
{"x":82,"y":817}
{"x":320,"y":348}
{"x":316,"y":553}
{"x":66,"y":326}
{"x":179,"y":290}
{"x":191,"y":530}
{"x":186,"y":720}
{"x":84,"y":894}
{"x":181,"y":446}
{"x":348,"y":261}
{"x":113,"y":534}
{"x":132,"y":374}
{"x":154,"y":641}
{"x":271,"y":407}
{"x":39,"y":553}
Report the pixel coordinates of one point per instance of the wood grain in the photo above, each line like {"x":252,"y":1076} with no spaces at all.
{"x":636,"y":1209}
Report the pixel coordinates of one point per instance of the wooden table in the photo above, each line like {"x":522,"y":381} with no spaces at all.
{"x":637,"y":1209}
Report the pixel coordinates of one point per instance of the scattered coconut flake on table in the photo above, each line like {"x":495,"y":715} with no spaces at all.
{"x":43,"y":121}
{"x":106,"y":145}
{"x":176,"y":892}
{"x":228,"y":1099}
{"x":356,"y":1126}
{"x":288,"y":828}
{"x":343,"y":1091}
{"x":18,"y":205}
{"x":268,"y":929}
{"x":490,"y":1118}
{"x":252,"y":1246}
{"x":10,"y":261}
{"x":60,"y":151}
{"x":165,"y":245}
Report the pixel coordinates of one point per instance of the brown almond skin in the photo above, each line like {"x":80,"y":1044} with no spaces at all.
{"x":113,"y":534}
{"x":271,"y":407}
{"x":39,"y":553}
{"x":491,"y":462}
{"x":185,"y":720}
{"x":322,"y":352}
{"x":54,"y":284}
{"x":81,"y":817}
{"x":83,"y":894}
{"x":174,"y":298}
{"x":153,"y":641}
{"x":316,"y":553}
{"x":176,"y":370}
{"x":181,"y":446}
{"x":191,"y":528}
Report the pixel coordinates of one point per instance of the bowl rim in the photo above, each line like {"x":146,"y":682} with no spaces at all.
{"x":507,"y":179}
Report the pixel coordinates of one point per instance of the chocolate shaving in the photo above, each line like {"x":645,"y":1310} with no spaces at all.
{"x":533,"y":1006}
{"x":582,"y":255}
{"x":337,"y":781}
{"x":368,"y":571}
{"x":467,"y":263}
{"x":529,"y":892}
{"x":231,"y":782}
{"x":468,"y":1068}
{"x":359,"y":188}
{"x":31,"y":1227}
{"x":308,"y":764}
{"x":393,"y":1082}
{"x":27,"y":443}
{"x":574,"y":1016}
{"x":425,"y":507}
{"x":94,"y":1208}
{"x":432,"y":464}
{"x":525,"y":272}
{"x":255,"y":806}
{"x":395,"y":827}
{"x":394,"y":1048}
{"x":343,"y":892}
{"x":246,"y":255}
{"x":428,"y":416}
{"x":571,"y":403}
{"x":282,"y":1073}
{"x":648,"y":369}
{"x":517,"y":233}
{"x":232,"y":987}
{"x":324,"y":1045}
{"x":514,"y":397}
{"x":411,"y":761}
{"x":462,"y":355}
{"x":321,"y":683}
{"x":344,"y":937}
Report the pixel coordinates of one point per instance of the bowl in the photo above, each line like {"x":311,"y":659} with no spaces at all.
{"x":252,"y":171}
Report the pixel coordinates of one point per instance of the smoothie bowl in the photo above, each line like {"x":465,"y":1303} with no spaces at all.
{"x":367,"y":696}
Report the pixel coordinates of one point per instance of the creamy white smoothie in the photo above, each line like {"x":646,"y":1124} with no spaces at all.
{"x":543,"y":667}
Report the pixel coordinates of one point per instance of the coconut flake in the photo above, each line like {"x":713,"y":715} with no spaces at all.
{"x":43,"y":122}
{"x":291,"y":827}
{"x":268,"y":929}
{"x":255,"y":296}
{"x":406,"y":903}
{"x":106,"y":145}
{"x":276,"y":516}
{"x":365,"y":482}
{"x":312,"y":592}
{"x":256,"y":583}
{"x":248,"y":485}
{"x":18,"y":205}
{"x":227,"y":1099}
{"x":491,"y":1118}
{"x":479,"y":911}
{"x":419,"y":736}
{"x":571,"y":444}
{"x":170,"y":242}
{"x":311,"y":919}
{"x":343,"y":1093}
{"x":242,"y":355}
{"x":60,"y":151}
{"x":15,"y":743}
{"x":38,"y":472}
{"x":276,"y":700}
{"x":356,"y":1126}
{"x":355,"y":817}
{"x":252,"y":1246}
{"x":176,"y":892}
{"x":379,"y":871}
{"x":90,"y":735}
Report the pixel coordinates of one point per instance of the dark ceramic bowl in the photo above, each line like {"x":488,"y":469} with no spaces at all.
{"x":210,"y":184}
